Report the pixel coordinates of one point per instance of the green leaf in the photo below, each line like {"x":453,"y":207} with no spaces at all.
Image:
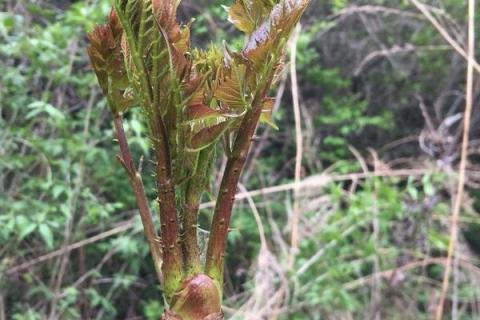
{"x":438,"y":240}
{"x":207,"y":136}
{"x":57,"y":191}
{"x":200,"y":112}
{"x":428,"y":186}
{"x":26,"y":228}
{"x":231,"y":90}
{"x":153,"y":310}
{"x":239,"y":16}
{"x":39,"y":107}
{"x":46,"y":234}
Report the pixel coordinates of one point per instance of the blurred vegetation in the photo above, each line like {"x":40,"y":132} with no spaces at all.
{"x":381,"y":99}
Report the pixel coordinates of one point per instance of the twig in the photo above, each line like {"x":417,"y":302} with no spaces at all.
{"x":299,"y":145}
{"x":320,"y":180}
{"x":91,"y":272}
{"x":395,"y":50}
{"x":463,"y":158}
{"x":107,"y":234}
{"x":372,"y":9}
{"x":2,"y":308}
{"x":390,"y":273}
{"x":258,"y":219}
{"x":444,"y":33}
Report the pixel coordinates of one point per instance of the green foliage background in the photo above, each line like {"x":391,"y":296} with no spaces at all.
{"x":60,"y":183}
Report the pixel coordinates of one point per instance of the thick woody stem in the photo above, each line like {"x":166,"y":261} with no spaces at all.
{"x":139,"y":191}
{"x":228,"y":187}
{"x":172,"y":252}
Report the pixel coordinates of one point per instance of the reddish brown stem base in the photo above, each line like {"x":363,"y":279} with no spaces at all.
{"x":197,"y":299}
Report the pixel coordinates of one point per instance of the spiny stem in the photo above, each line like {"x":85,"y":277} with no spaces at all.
{"x":172,"y":257}
{"x":139,"y":191}
{"x":197,"y":184}
{"x":228,"y":186}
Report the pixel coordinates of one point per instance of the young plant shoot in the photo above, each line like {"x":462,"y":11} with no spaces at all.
{"x":192,"y":99}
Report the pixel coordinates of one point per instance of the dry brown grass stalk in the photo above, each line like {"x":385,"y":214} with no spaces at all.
{"x":299,"y":145}
{"x":463,"y":160}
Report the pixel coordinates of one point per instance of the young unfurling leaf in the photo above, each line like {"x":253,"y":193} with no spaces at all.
{"x":206,"y":136}
{"x":230,"y":90}
{"x":267,"y":112}
{"x":247,"y":15}
{"x":205,"y":125}
{"x":267,"y":38}
{"x":200,"y":112}
{"x":165,"y":14}
{"x":107,"y":61}
{"x":176,"y":39}
{"x":239,"y":15}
